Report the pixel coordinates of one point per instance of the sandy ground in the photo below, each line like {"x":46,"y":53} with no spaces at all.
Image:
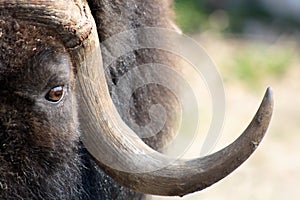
{"x":273,"y":171}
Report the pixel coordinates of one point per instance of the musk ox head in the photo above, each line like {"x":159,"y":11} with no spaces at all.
{"x":50,"y":59}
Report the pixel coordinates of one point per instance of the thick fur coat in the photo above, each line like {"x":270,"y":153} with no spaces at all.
{"x":41,"y":155}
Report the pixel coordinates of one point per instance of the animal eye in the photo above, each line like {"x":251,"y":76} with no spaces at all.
{"x":56,"y":94}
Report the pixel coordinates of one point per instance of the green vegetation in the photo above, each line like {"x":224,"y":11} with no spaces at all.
{"x":190,"y":15}
{"x":255,"y":60}
{"x":252,"y":64}
{"x":194,"y":15}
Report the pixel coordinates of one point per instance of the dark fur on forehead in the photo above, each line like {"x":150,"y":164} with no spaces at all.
{"x":38,"y":153}
{"x":20,"y":40}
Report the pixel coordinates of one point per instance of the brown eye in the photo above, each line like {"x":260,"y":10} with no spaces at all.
{"x":56,"y":94}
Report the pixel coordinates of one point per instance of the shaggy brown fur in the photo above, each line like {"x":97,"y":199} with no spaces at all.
{"x":38,"y":153}
{"x":41,"y":156}
{"x":113,"y":17}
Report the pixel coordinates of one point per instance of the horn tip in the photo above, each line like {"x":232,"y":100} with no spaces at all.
{"x":269,"y":93}
{"x":268,"y":98}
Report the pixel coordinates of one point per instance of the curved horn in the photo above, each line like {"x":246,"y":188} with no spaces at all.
{"x":124,"y":156}
{"x":112,"y":143}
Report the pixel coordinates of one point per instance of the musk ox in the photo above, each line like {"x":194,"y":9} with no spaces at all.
{"x":61,"y":136}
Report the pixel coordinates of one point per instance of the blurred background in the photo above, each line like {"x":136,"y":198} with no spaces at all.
{"x":255,"y":44}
